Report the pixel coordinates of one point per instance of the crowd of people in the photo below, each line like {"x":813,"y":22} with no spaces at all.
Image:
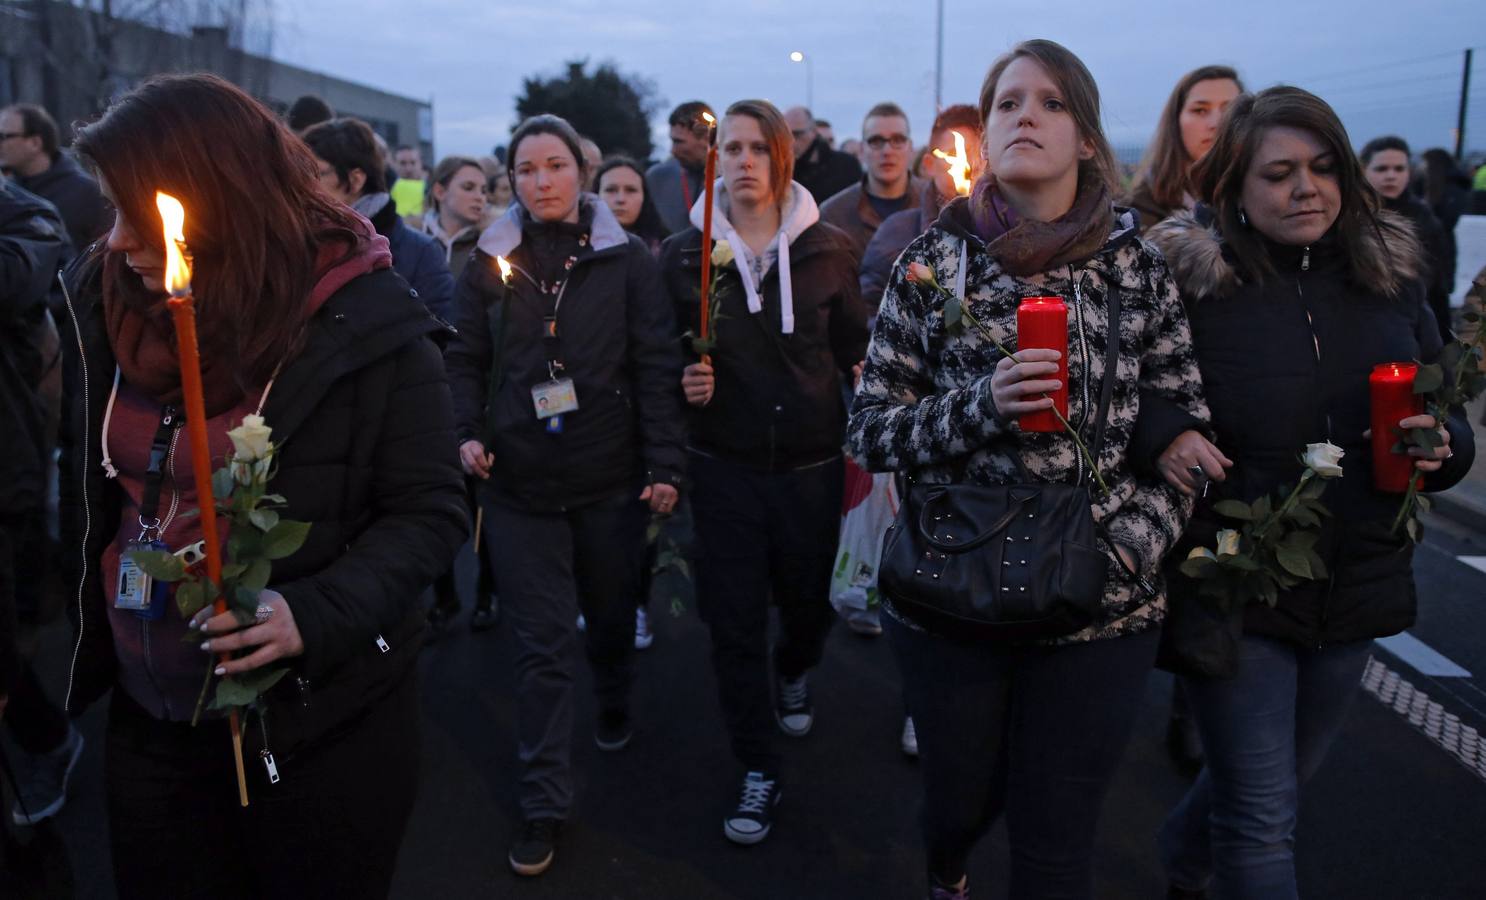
{"x":518,"y":348}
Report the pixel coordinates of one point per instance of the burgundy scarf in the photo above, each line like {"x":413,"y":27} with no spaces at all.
{"x":1025,"y":246}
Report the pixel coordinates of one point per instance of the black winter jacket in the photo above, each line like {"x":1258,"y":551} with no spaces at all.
{"x":778,"y":398}
{"x":616,"y":339}
{"x":825,"y":172}
{"x":365,"y":423}
{"x":1285,"y":363}
{"x":76,"y":196}
{"x":1440,"y":263}
{"x":33,"y":242}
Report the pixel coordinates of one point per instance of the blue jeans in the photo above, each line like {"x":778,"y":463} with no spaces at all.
{"x":1265,"y":732}
{"x":1032,"y":733}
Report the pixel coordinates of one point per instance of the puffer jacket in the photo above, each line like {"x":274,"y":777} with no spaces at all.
{"x":924,"y":406}
{"x":617,"y":344}
{"x":364,"y":420}
{"x":1285,"y":362}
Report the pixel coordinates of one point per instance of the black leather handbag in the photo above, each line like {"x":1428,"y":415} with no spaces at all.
{"x":1008,"y":563}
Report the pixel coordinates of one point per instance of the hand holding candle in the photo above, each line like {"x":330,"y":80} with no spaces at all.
{"x":1042,"y":324}
{"x":183,"y":310}
{"x":1393,"y":399}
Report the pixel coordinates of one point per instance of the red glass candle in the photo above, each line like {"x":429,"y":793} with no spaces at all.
{"x":1393,"y":399}
{"x":1042,"y":324}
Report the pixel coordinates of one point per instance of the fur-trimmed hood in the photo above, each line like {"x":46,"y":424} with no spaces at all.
{"x":1197,"y":257}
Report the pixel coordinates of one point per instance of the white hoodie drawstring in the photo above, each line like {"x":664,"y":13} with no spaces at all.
{"x":743,"y":257}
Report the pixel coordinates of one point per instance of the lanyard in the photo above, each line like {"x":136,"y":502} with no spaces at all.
{"x":171,"y":419}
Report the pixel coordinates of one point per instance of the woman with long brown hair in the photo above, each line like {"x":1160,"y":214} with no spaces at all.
{"x":302,"y":321}
{"x":1297,"y":285}
{"x":1188,"y":124}
{"x":1031,"y":730}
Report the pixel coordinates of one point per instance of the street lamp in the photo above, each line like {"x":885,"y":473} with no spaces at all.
{"x":797,"y":56}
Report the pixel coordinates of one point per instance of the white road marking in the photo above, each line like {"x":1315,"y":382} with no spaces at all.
{"x":1425,"y":659}
{"x":1460,"y":741}
{"x":1475,"y":562}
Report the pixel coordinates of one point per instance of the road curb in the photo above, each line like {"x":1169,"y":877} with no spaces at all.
{"x":1461,"y":510}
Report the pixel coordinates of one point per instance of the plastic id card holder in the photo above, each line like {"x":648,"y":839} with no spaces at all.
{"x":554,"y":398}
{"x":137,"y":591}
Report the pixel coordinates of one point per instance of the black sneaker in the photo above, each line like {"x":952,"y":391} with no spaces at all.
{"x":614,"y":730}
{"x":792,"y":706}
{"x":484,"y":617}
{"x":750,"y":822}
{"x":531,"y":854}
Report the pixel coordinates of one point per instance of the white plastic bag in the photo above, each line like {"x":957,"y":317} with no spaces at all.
{"x":869,"y":504}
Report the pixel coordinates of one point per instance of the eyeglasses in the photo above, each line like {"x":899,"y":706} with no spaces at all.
{"x":877,"y":141}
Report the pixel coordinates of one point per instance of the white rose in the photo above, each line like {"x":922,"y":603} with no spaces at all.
{"x":722,"y":253}
{"x":1228,"y":542}
{"x":1325,"y":459}
{"x":250,"y":440}
{"x":1202,"y":553}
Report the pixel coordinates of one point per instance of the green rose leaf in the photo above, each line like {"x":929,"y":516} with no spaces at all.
{"x":1304,"y":516}
{"x":240,"y":690}
{"x":1427,"y":438}
{"x":1296,"y":562}
{"x":285,"y":539}
{"x":702,"y":347}
{"x":190,"y":597}
{"x":1424,"y":502}
{"x":245,"y":600}
{"x":159,"y":564}
{"x":1234,"y":509}
{"x":233,"y":570}
{"x":1318,"y":567}
{"x":1428,"y":379}
{"x":264,"y":519}
{"x":256,"y":577}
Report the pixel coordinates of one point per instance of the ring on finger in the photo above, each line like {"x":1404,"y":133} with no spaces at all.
{"x":263,"y":613}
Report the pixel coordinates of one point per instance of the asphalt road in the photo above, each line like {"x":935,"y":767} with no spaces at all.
{"x":1394,"y":814}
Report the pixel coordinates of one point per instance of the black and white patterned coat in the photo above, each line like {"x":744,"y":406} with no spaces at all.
{"x":924,"y":405}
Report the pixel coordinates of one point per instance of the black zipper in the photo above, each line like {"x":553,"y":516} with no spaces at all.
{"x":266,"y":755}
{"x":1305,"y":266}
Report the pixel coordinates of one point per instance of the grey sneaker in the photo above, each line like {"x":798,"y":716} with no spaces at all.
{"x":44,"y":792}
{"x":792,"y":706}
{"x":751,"y":821}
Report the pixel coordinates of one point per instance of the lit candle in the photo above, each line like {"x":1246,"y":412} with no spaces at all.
{"x":1393,"y":399}
{"x":1042,"y":324}
{"x":183,"y":311}
{"x":958,"y":165}
{"x":708,"y":189}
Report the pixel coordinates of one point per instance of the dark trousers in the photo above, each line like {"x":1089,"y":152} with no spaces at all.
{"x":445,"y":592}
{"x":1266,"y":731}
{"x":330,"y":828}
{"x":36,"y":723}
{"x":756,"y":535}
{"x":1035,"y":734}
{"x":549,"y":567}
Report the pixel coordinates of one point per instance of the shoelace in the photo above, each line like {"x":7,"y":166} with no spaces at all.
{"x":793,"y":694}
{"x":755,"y":795}
{"x":540,"y":830}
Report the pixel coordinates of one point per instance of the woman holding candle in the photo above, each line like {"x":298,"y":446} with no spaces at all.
{"x":767,"y":418}
{"x":564,"y":373}
{"x":1032,"y":731}
{"x":1298,"y":289}
{"x":302,"y":319}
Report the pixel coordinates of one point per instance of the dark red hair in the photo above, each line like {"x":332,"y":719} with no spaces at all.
{"x":255,"y":215}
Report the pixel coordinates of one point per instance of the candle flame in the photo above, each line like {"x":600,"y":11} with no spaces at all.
{"x":505,"y":270}
{"x":708,"y":116}
{"x":958,"y":165}
{"x":177,"y":257}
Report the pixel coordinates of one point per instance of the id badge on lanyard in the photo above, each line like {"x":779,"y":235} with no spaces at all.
{"x":555,"y":398}
{"x":135,"y":590}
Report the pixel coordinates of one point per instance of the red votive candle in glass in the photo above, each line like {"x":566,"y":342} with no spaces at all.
{"x":1393,"y":399}
{"x":1042,"y":324}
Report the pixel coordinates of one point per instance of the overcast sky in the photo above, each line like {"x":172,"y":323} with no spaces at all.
{"x":1386,"y":65}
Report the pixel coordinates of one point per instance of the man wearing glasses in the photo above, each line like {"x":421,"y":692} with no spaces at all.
{"x":889,"y":185}
{"x":31,"y":153}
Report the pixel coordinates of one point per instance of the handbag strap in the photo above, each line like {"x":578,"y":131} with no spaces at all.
{"x":926,"y":530}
